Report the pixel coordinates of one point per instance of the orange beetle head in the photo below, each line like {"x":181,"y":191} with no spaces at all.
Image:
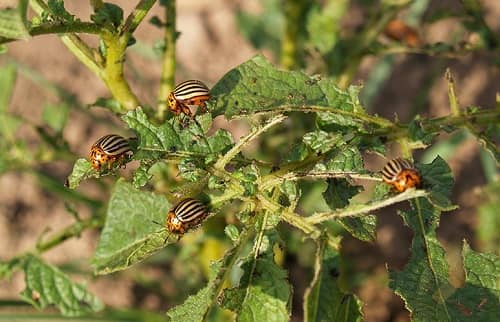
{"x":407,"y":178}
{"x":174,"y":225}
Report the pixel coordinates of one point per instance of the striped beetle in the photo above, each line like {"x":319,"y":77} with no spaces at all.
{"x":188,"y":213}
{"x":401,"y":174}
{"x":108,"y":150}
{"x":190,"y":92}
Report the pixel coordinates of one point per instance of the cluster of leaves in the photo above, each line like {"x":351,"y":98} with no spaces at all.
{"x":130,"y":234}
{"x":325,"y":131}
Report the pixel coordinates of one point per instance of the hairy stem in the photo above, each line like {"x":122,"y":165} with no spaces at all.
{"x":360,"y":210}
{"x":167,"y":81}
{"x":72,"y":230}
{"x":136,"y":17}
{"x":222,"y":162}
{"x":113,"y":72}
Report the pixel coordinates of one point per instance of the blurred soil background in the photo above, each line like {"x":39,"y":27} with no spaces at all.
{"x":210,"y":44}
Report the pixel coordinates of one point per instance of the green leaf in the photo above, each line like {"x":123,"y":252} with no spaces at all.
{"x":13,"y":22}
{"x":257,"y":86}
{"x":247,"y":177}
{"x":363,"y":228}
{"x":197,"y":306}
{"x":142,"y":175}
{"x":8,"y":123}
{"x":8,"y":75}
{"x":322,"y":141}
{"x":108,"y":103}
{"x":56,"y":116}
{"x":347,"y":158}
{"x":266,"y":29}
{"x":47,"y":285}
{"x":263,"y":293}
{"x":324,"y":300}
{"x":417,"y":133}
{"x":108,"y":13}
{"x":478,"y":299}
{"x":438,"y":179}
{"x":152,"y":138}
{"x":423,"y":283}
{"x":130,"y":234}
{"x":337,"y":195}
{"x":7,"y":268}
{"x":57,"y":9}
{"x":82,"y":170}
{"x":488,"y":228}
{"x":323,"y":25}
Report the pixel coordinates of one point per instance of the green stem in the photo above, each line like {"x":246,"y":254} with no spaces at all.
{"x":70,"y":231}
{"x":360,"y":210}
{"x":167,"y":81}
{"x":136,"y":17}
{"x":296,"y":220}
{"x":271,"y":181}
{"x":113,"y":72}
{"x":382,"y":122}
{"x":289,"y":45}
{"x":454,"y":106}
{"x":436,"y":125}
{"x":222,"y":162}
{"x":226,"y":267}
{"x":64,"y":28}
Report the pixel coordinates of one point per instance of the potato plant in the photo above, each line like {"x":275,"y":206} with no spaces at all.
{"x":313,"y":135}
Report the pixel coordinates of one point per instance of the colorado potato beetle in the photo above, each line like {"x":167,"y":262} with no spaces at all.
{"x":188,"y":213}
{"x":108,"y":150}
{"x":188,"y":93}
{"x":401,"y":174}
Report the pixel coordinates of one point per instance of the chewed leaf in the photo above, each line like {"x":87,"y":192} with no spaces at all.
{"x":438,"y":179}
{"x":257,"y":86}
{"x":82,"y":170}
{"x":47,"y":285}
{"x":130,"y":233}
{"x":262,"y":296}
{"x":161,"y":138}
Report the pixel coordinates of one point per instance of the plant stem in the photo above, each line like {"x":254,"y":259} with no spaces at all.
{"x":113,"y":71}
{"x":454,"y":106}
{"x":167,"y":81}
{"x":295,"y":220}
{"x":64,"y":28}
{"x":360,"y":210}
{"x":289,"y":45}
{"x":72,"y":230}
{"x":268,"y":182}
{"x":222,"y":162}
{"x":382,"y":122}
{"x":136,"y":16}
